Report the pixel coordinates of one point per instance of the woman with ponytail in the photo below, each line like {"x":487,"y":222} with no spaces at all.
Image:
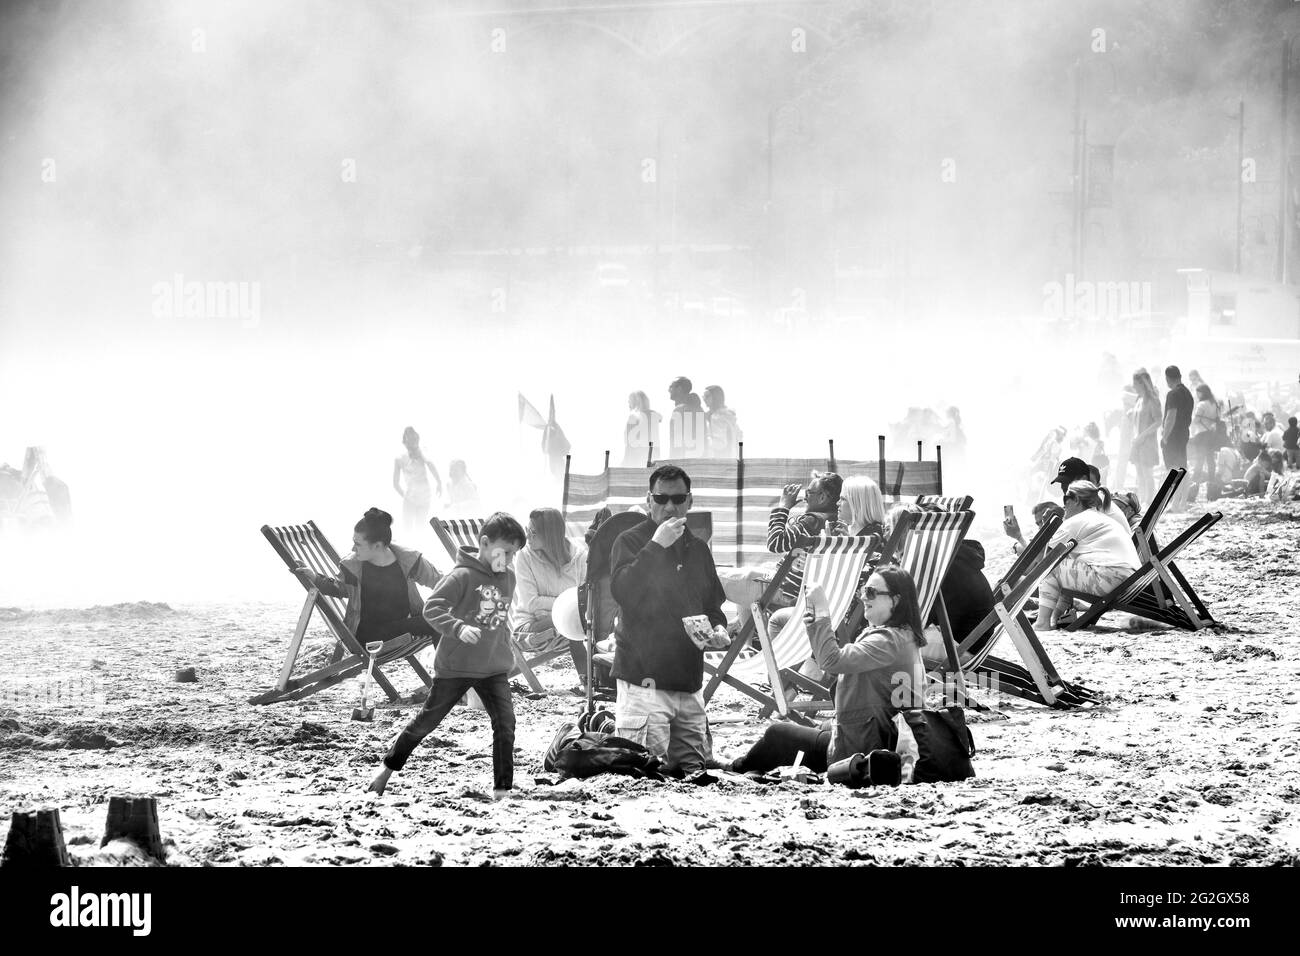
{"x":1102,"y":557}
{"x":378,"y":580}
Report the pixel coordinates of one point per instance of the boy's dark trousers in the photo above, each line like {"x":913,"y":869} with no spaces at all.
{"x":443,"y":695}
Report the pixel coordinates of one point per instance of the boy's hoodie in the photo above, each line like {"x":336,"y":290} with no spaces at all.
{"x":472,"y":594}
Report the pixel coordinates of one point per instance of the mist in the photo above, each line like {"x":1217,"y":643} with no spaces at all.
{"x":371,"y":179}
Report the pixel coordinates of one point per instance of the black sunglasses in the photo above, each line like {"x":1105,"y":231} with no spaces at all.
{"x":871,"y":593}
{"x":675,"y":499}
{"x":1070,"y":496}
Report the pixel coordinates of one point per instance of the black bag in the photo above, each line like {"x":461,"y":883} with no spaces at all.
{"x":576,"y":754}
{"x":1220,"y":435}
{"x":944,"y":743}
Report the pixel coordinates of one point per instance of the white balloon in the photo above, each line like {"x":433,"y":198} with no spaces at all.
{"x":565,"y":616}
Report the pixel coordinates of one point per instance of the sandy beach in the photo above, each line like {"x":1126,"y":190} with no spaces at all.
{"x":1192,"y":758}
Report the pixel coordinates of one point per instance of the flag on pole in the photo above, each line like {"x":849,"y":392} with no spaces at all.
{"x":528,"y":415}
{"x":554,"y":443}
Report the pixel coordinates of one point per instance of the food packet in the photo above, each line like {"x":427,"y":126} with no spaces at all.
{"x":699,"y":630}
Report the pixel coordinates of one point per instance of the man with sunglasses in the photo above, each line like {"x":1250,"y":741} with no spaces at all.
{"x":663,"y":574}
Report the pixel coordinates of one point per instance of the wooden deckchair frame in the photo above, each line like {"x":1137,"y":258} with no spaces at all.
{"x":1135,"y":594}
{"x":1037,"y":680}
{"x":783,"y":677}
{"x":1165,"y":596}
{"x":306,"y":543}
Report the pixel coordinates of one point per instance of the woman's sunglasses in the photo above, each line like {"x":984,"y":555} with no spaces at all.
{"x":870,"y":593}
{"x":675,"y":499}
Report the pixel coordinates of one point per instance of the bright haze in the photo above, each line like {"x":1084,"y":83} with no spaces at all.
{"x":398,"y":213}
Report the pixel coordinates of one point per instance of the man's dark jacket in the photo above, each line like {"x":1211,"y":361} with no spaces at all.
{"x":655,"y":588}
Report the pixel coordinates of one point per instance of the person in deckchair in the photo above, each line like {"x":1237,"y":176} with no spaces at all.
{"x":877,"y":673}
{"x":1041,"y":512}
{"x":550,"y":563}
{"x":469,"y":608}
{"x":966,"y":592}
{"x":823,"y":501}
{"x":862,"y":509}
{"x":1102,"y":558}
{"x":1076,"y":469}
{"x":378,"y":580}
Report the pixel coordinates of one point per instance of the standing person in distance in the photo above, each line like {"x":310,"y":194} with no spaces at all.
{"x":1175,"y":430}
{"x":417,"y":496}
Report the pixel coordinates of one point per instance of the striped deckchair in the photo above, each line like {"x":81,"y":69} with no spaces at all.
{"x":1036,"y":680}
{"x":1157,"y":590}
{"x":1137,"y":593}
{"x":944,"y":503}
{"x":305,"y":544}
{"x":455,"y":533}
{"x":835,"y":562}
{"x":925,"y":546}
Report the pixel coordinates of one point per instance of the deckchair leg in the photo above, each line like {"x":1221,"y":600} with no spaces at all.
{"x":1203,"y":613}
{"x":950,"y":648}
{"x":420,"y":672}
{"x":1031,"y":652}
{"x":737,"y":645}
{"x":296,"y":643}
{"x":522,"y":664}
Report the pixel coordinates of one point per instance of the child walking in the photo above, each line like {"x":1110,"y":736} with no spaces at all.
{"x":469,"y":608}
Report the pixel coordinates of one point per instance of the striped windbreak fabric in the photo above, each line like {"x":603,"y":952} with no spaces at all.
{"x":740,"y":494}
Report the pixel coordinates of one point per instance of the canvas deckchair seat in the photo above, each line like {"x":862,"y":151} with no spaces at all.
{"x":457,"y":533}
{"x":305,"y":544}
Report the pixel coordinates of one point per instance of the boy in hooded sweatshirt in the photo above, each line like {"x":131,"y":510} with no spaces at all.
{"x":470,"y":609}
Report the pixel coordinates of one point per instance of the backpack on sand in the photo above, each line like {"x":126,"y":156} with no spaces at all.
{"x":576,"y":754}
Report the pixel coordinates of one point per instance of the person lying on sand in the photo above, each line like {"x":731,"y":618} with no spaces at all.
{"x":378,"y":582}
{"x":868,"y":694}
{"x":470,"y":609}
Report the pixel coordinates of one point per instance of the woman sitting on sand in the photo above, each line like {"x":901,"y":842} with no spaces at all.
{"x":867,"y":694}
{"x":548,"y":564}
{"x":378,"y":582}
{"x":1103,"y":554}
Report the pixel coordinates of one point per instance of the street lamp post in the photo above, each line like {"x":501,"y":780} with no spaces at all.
{"x":1282,"y":215}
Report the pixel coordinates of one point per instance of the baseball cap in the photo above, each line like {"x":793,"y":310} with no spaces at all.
{"x":1072,"y":469}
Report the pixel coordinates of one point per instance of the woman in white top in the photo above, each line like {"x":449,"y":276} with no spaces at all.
{"x":640,"y":430}
{"x":417,"y":496}
{"x":1103,"y":554}
{"x":1202,"y":446}
{"x":549,"y":564}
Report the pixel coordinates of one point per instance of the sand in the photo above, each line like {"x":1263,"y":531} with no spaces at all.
{"x":1192,"y":758}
